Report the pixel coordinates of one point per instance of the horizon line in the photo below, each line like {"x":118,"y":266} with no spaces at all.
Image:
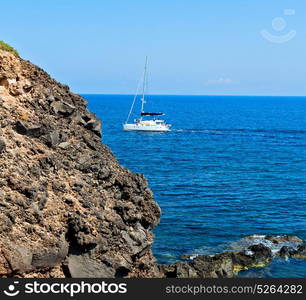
{"x":196,"y":95}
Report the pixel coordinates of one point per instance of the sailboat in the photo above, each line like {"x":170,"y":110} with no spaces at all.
{"x":147,"y":121}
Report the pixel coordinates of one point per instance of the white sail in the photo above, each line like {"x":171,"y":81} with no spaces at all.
{"x":143,"y":123}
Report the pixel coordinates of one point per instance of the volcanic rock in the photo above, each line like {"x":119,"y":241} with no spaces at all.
{"x":251,"y":251}
{"x":67,"y":208}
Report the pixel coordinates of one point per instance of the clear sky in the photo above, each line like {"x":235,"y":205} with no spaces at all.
{"x":194,"y":46}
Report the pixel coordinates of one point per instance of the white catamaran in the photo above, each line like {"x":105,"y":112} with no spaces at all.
{"x":147,"y":120}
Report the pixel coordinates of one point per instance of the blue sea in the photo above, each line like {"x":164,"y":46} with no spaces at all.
{"x":231,"y":166}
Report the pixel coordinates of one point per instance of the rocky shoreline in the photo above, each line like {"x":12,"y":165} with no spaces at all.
{"x":252,"y":251}
{"x":68,"y":209}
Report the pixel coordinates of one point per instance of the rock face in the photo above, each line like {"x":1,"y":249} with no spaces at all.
{"x":67,"y":208}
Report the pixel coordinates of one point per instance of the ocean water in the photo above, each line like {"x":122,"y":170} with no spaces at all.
{"x":231,"y":166}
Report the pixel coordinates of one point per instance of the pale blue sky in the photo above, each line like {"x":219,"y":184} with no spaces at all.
{"x":194,"y":46}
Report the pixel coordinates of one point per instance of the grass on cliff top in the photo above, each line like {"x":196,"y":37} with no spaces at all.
{"x":4,"y":46}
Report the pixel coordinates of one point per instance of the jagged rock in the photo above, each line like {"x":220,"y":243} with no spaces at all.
{"x":77,"y":118}
{"x":301,"y":252}
{"x":50,"y":98}
{"x":64,"y":145}
{"x":4,"y":82}
{"x":16,"y":91}
{"x":2,"y":145}
{"x":95,"y":126}
{"x":27,"y":88}
{"x":256,"y":255}
{"x":52,"y":139}
{"x":82,"y":266}
{"x":34,"y":131}
{"x":17,"y":259}
{"x":260,"y":252}
{"x":63,"y":108}
{"x":274,"y":243}
{"x":288,"y":251}
{"x":103,"y":173}
{"x":50,"y":257}
{"x":58,"y":180}
{"x":214,"y":266}
{"x":178,"y":270}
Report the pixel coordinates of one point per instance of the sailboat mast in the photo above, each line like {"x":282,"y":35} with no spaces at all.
{"x":144,"y":85}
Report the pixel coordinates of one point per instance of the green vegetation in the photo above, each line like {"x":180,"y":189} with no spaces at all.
{"x":4,"y":46}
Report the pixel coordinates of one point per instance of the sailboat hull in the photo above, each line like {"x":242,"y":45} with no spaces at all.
{"x":141,"y":127}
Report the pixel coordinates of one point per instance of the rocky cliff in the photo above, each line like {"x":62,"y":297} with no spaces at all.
{"x":67,"y":208}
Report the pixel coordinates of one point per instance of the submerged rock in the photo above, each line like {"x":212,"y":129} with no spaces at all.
{"x":274,"y":243}
{"x":251,"y":251}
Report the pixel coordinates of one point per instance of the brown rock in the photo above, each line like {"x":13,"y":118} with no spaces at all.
{"x":2,"y":145}
{"x":58,"y":180}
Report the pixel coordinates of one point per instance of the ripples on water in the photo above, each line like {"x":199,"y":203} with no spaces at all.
{"x":231,"y":166}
